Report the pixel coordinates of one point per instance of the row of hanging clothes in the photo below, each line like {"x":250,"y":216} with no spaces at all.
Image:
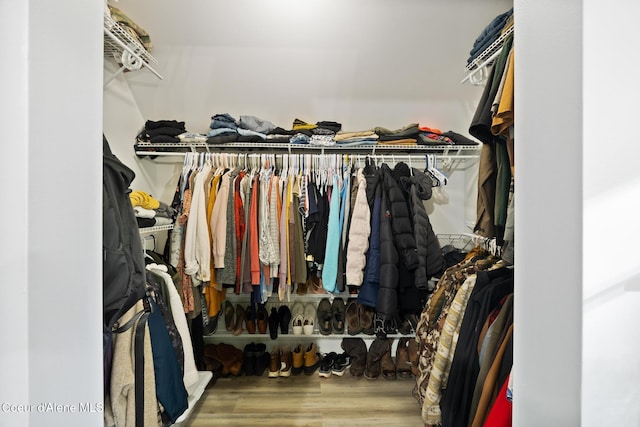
{"x":465,"y":338}
{"x":265,"y":224}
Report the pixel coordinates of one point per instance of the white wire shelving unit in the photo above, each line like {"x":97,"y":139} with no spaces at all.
{"x":477,"y":73}
{"x":125,"y":50}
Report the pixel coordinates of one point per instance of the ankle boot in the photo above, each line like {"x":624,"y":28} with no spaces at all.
{"x":284,"y":315}
{"x":298,"y":360}
{"x":274,"y":364}
{"x":262,"y":318}
{"x":311,"y":359}
{"x":249,"y":359}
{"x":403,"y":365}
{"x":274,"y":323}
{"x":357,"y":350}
{"x":228,"y":316}
{"x":376,"y":350}
{"x":286,"y":361}
{"x":413,"y":351}
{"x":386,"y":363}
{"x":240,"y":319}
{"x":262,"y":358}
{"x":250,"y":319}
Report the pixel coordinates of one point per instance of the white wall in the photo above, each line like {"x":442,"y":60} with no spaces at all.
{"x":51,"y":289}
{"x":361,"y":63}
{"x":611,"y":301}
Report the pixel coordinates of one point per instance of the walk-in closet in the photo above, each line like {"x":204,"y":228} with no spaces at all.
{"x":320,"y":225}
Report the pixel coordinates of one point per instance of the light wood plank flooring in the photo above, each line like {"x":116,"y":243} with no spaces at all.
{"x":307,"y":401}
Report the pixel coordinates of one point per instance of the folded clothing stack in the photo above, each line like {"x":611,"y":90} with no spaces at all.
{"x":162,"y":132}
{"x":224,"y":128}
{"x":149,"y":211}
{"x":490,"y":34}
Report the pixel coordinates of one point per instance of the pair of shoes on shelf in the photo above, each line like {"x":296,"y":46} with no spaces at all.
{"x":235,"y":325}
{"x":356,"y":349}
{"x":379,"y":360}
{"x":408,"y":324}
{"x":305,"y":359}
{"x":303,"y":318}
{"x":281,"y":362}
{"x":334,"y":363}
{"x":255,"y":359}
{"x":279,"y":319}
{"x":384,"y":326}
{"x":359,"y":318}
{"x":331,"y":316}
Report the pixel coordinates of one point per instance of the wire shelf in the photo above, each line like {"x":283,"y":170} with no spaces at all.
{"x":147,"y":230}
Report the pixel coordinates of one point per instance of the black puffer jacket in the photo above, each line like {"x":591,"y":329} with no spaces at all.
{"x":397,"y":242}
{"x":387,"y":305}
{"x":431,"y":260}
{"x":401,"y":223}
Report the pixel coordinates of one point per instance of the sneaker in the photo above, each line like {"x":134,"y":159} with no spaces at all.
{"x":297,"y":318}
{"x":341,"y":364}
{"x":326,"y":365}
{"x":309,"y":322}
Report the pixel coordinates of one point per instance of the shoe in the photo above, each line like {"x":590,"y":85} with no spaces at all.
{"x":274,"y":322}
{"x":250,"y":319}
{"x":353,"y":319}
{"x":262,"y":359}
{"x":297,"y":318}
{"x":212,"y":325}
{"x":403,"y":365}
{"x":311,"y":359}
{"x":376,"y":350}
{"x":284,"y":314}
{"x":297,"y":364}
{"x":230,"y":357}
{"x":325,"y":316}
{"x":387,"y":366}
{"x":286,"y":361}
{"x":338,"y":311}
{"x":366,"y":315}
{"x":405,"y":327}
{"x":326,"y":365}
{"x":341,"y":363}
{"x":274,"y":364}
{"x":262,"y":319}
{"x":378,"y":326}
{"x":301,"y":288}
{"x":309,"y":322}
{"x":413,"y":350}
{"x":249,"y":359}
{"x":228,"y":316}
{"x":240,"y":319}
{"x":357,"y":351}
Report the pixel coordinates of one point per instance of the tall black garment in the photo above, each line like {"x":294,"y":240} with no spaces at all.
{"x":490,"y":288}
{"x":318,"y":224}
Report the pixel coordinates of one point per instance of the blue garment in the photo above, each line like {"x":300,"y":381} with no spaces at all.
{"x":170,"y":389}
{"x":330,"y":268}
{"x":489,"y":34}
{"x":299,"y":138}
{"x":368,"y":294}
{"x":247,"y":132}
{"x":223,"y":121}
{"x":221,"y":131}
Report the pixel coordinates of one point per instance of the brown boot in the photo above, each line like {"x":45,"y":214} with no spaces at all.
{"x":274,"y":364}
{"x":403,"y":365}
{"x":228,"y":316}
{"x":357,"y":350}
{"x":250,"y":320}
{"x":376,"y":350}
{"x":240,"y":319}
{"x":386,"y":363}
{"x":311,"y":359}
{"x":298,"y":360}
{"x":286,"y":361}
{"x":413,"y":351}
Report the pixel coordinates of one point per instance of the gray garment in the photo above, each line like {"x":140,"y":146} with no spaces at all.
{"x":255,"y":124}
{"x":227,"y":275}
{"x":509,"y":235}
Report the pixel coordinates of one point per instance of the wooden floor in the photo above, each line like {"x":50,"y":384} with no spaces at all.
{"x":307,"y":401}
